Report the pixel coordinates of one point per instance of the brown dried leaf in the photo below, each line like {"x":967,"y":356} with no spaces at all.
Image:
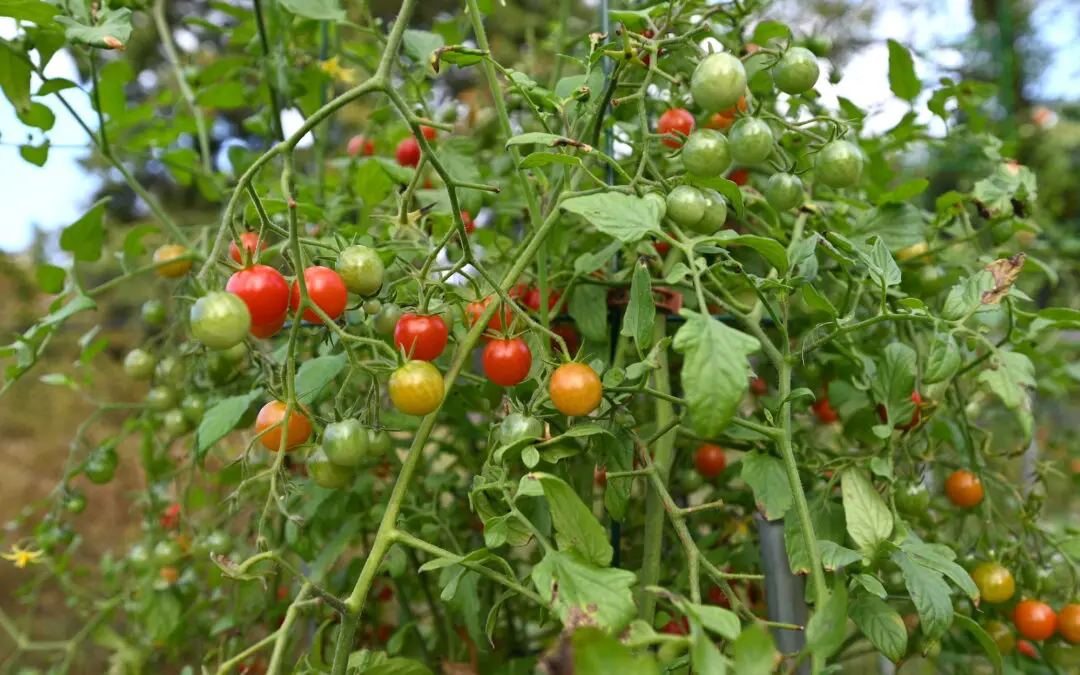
{"x":1004,"y":272}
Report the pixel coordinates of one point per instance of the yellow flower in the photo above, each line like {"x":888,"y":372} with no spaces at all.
{"x":332,"y":67}
{"x":21,"y":557}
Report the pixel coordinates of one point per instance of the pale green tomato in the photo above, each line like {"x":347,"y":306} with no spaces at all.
{"x":346,"y":443}
{"x":797,"y":71}
{"x":715,"y":213}
{"x":174,"y":422}
{"x":751,"y":141}
{"x":686,"y":205}
{"x":362,"y":270}
{"x":718,"y":82}
{"x":160,"y":399}
{"x":372,"y":306}
{"x":170,"y":370}
{"x":139,"y":364}
{"x":327,"y":474}
{"x":784,"y":191}
{"x":839,"y":164}
{"x":706,"y":153}
{"x":387,"y":319}
{"x":220,"y":320}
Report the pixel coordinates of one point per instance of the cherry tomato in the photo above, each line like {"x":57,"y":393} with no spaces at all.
{"x":740,"y":177}
{"x":784,"y":191}
{"x":250,"y":242}
{"x":408,"y":152}
{"x":416,"y":388}
{"x":706,"y":153}
{"x":569,"y":335}
{"x":170,"y":371}
{"x":361,"y":269}
{"x":326,"y":289}
{"x":1002,"y":636}
{"x":358,"y":143}
{"x":675,"y":120}
{"x":824,"y":411}
{"x":715,"y":215}
{"x":167,"y":552}
{"x":1027,"y":649}
{"x":995,"y":582}
{"x":264,"y":290}
{"x":429,"y":132}
{"x":686,"y":205}
{"x":422,"y":338}
{"x":718,"y":81}
{"x":532,"y":299}
{"x":758,"y":386}
{"x":139,"y":364}
{"x":796,"y":71}
{"x":170,"y":517}
{"x":499,"y":322}
{"x":1069,"y":623}
{"x":387,"y":318}
{"x":677,"y":627}
{"x":171,"y":270}
{"x":326,"y":474}
{"x":270,"y":420}
{"x":1034,"y":620}
{"x":912,"y":499}
{"x":346,"y":443}
{"x":467,"y":221}
{"x":917,"y":400}
{"x":725,"y":118}
{"x":751,"y":141}
{"x":160,"y":399}
{"x":268,"y":329}
{"x":169,"y":574}
{"x":507,"y":362}
{"x":839,"y":164}
{"x":710,"y":460}
{"x":218,"y":541}
{"x":379,"y":442}
{"x":964,"y":488}
{"x":220,"y":320}
{"x":600,"y":476}
{"x":153,"y":312}
{"x":75,"y":503}
{"x":575,"y":389}
{"x":716,"y":596}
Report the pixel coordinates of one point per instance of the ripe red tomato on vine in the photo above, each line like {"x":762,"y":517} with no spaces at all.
{"x":710,"y":460}
{"x":1035,"y":620}
{"x":422,"y":338}
{"x":326,"y":289}
{"x":507,"y":362}
{"x":408,"y":152}
{"x":265,"y":292}
{"x":358,"y":143}
{"x":250,"y":243}
{"x":824,"y":411}
{"x":532,"y":299}
{"x":675,"y":120}
{"x":964,"y":488}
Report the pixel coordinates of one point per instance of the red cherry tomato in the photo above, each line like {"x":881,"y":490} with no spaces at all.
{"x":662,"y":247}
{"x":677,"y":627}
{"x":422,"y":337}
{"x":250,"y":242}
{"x":326,"y":289}
{"x":408,"y":152}
{"x":758,"y":386}
{"x":467,"y":220}
{"x":600,"y":476}
{"x":710,"y":460}
{"x":717,"y":597}
{"x":1069,"y":623}
{"x":270,"y":420}
{"x":917,"y":400}
{"x":676,"y":119}
{"x":824,"y":411}
{"x":1027,"y":649}
{"x":263,"y":290}
{"x":500,"y":321}
{"x":532,"y":299}
{"x":358,"y":143}
{"x":507,"y":362}
{"x":739,"y":177}
{"x":170,"y":517}
{"x":429,"y":132}
{"x":569,"y":335}
{"x":268,"y":329}
{"x":1035,"y":620}
{"x":964,"y":489}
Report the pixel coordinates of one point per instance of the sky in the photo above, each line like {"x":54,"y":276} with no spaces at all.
{"x":55,"y":195}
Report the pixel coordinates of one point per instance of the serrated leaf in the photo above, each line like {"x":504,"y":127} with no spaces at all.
{"x":894,"y":383}
{"x":902,"y":79}
{"x":716,"y":370}
{"x":872,"y":585}
{"x":943,"y":360}
{"x":879,"y":262}
{"x":222,"y":418}
{"x":827,"y":628}
{"x":585,"y":594}
{"x":594,"y":652}
{"x":869,"y":521}
{"x":588,"y":308}
{"x":770,"y":249}
{"x":112,"y":30}
{"x":315,"y":374}
{"x":419,"y":44}
{"x":575,"y":526}
{"x":929,"y":593}
{"x":1009,"y":375}
{"x":965,"y":297}
{"x":723,"y":622}
{"x":755,"y":651}
{"x":617,"y":451}
{"x":834,"y":556}
{"x":768,"y":479}
{"x":626,"y":218}
{"x":85,"y":237}
{"x":589,"y":262}
{"x":640,"y":313}
{"x":934,"y":557}
{"x":882,"y":625}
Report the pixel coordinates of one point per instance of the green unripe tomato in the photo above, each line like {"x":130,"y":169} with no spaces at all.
{"x":218,"y":541}
{"x":656,"y":202}
{"x":327,"y":474}
{"x":174,"y":422}
{"x":690,"y":480}
{"x":139,"y":364}
{"x":751,"y":141}
{"x":517,"y":427}
{"x":167,"y":552}
{"x":55,"y":536}
{"x":372,"y":306}
{"x":686,"y":205}
{"x":220,"y":320}
{"x":784,"y":191}
{"x":387,"y":319}
{"x":170,"y":371}
{"x":839,"y":164}
{"x":75,"y":502}
{"x":345,"y":443}
{"x":715,"y":213}
{"x":361,"y":269}
{"x":718,"y":82}
{"x":797,"y":71}
{"x":153,"y":312}
{"x":912,"y":499}
{"x":160,"y":399}
{"x":138,"y":554}
{"x":706,"y":153}
{"x":194,"y":407}
{"x":236,"y":354}
{"x":379,"y":443}
{"x":819,"y":45}
{"x":101,"y":465}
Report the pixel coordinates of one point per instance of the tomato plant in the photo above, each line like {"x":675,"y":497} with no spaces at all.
{"x":777,"y":297}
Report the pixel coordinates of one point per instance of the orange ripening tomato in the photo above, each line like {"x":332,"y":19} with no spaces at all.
{"x":575,"y":389}
{"x":1069,"y":623}
{"x":250,"y":243}
{"x":270,"y":420}
{"x":964,"y":488}
{"x":823,"y":409}
{"x":1034,"y":620}
{"x":171,"y":270}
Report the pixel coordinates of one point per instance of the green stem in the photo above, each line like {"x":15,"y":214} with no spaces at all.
{"x":165,"y":35}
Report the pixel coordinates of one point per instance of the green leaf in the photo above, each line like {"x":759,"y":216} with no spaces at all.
{"x":550,"y":140}
{"x":80,"y":303}
{"x":894,"y":383}
{"x":575,"y":526}
{"x":768,"y":479}
{"x":882,"y":625}
{"x":934,"y":557}
{"x":15,"y":76}
{"x":54,"y":85}
{"x":537,"y":159}
{"x":638,"y":319}
{"x":588,"y":262}
{"x":112,"y":80}
{"x":902,"y":79}
{"x":133,"y":246}
{"x":900,"y":225}
{"x":624,"y":217}
{"x":372,"y":184}
{"x":221,"y":419}
{"x":315,"y":374}
{"x":872,"y":585}
{"x":879,"y":262}
{"x":584,"y":591}
{"x":984,"y":639}
{"x":904,"y":191}
{"x":943,"y":360}
{"x":38,"y":115}
{"x":419,"y":44}
{"x":111,"y":31}
{"x":834,"y":556}
{"x":35,"y":155}
{"x":828,"y":519}
{"x":827,"y":628}
{"x":227,"y":95}
{"x":716,"y":370}
{"x":34,"y":11}
{"x":588,"y":308}
{"x":597,"y":653}
{"x":50,"y":278}
{"x":320,"y":10}
{"x":705,"y":656}
{"x":929,"y":593}
{"x":85,"y":237}
{"x":817,"y":301}
{"x":397,"y":666}
{"x":869,"y":521}
{"x":617,"y":449}
{"x":1009,"y":376}
{"x":769,"y":30}
{"x":965,"y":297}
{"x":723,"y":622}
{"x":770,"y":249}
{"x":755,"y":652}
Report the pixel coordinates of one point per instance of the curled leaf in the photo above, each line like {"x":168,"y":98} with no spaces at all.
{"x":1004,"y":272}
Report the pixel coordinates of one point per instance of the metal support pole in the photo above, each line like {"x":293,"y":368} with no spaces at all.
{"x":784,"y":591}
